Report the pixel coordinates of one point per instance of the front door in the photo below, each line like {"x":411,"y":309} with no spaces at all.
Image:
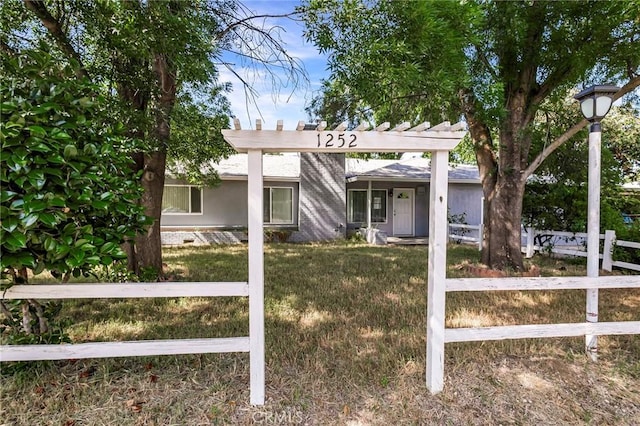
{"x":403,"y":212}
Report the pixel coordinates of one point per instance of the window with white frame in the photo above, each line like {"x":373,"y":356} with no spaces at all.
{"x":278,"y":205}
{"x":357,"y":206}
{"x":182,"y":199}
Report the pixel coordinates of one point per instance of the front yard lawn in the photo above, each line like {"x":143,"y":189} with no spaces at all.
{"x":345,"y":344}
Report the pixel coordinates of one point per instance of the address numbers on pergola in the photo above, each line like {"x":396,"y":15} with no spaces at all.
{"x":401,"y":138}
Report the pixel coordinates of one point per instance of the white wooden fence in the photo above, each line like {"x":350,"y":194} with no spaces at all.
{"x":574,"y":244}
{"x":438,"y":140}
{"x":541,"y":330}
{"x":131,"y":348}
{"x":438,"y":334}
{"x":458,"y":233}
{"x":558,"y":242}
{"x":471,"y":334}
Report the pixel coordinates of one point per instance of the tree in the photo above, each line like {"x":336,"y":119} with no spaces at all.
{"x":623,"y":139}
{"x":154,"y":58}
{"x":68,"y":192}
{"x":556,"y":197}
{"x":494,"y":63}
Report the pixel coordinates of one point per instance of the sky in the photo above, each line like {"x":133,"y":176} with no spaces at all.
{"x":287,"y":105}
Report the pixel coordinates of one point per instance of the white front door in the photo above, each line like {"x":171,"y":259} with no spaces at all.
{"x":403,"y":212}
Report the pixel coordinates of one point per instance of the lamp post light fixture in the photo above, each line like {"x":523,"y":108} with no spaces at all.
{"x":595,"y":103}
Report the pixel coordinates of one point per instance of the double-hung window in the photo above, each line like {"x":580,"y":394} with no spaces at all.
{"x":182,"y":199}
{"x":357,"y":206}
{"x":278,"y":205}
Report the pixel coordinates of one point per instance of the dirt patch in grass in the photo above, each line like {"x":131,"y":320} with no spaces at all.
{"x":345,"y":341}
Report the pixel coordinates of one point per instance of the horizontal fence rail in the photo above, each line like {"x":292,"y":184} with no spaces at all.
{"x":458,"y":233}
{"x":541,"y":283}
{"x":121,"y":349}
{"x":472,"y":334}
{"x":608,"y":263}
{"x":532,"y":331}
{"x":574,"y":244}
{"x":128,"y":290}
{"x":129,"y":348}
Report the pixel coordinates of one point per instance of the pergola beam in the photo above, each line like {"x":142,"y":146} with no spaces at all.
{"x":437,"y":138}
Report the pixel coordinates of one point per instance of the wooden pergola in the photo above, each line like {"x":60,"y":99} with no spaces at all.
{"x":438,"y":140}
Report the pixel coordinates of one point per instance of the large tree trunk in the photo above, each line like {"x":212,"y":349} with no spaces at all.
{"x":502,"y":183}
{"x":147,"y":252}
{"x":501,"y":247}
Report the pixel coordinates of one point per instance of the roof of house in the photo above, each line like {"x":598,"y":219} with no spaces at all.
{"x":416,"y":168}
{"x":279,"y":167}
{"x":287,"y":167}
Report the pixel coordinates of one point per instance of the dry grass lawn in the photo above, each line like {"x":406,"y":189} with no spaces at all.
{"x":345,"y":343}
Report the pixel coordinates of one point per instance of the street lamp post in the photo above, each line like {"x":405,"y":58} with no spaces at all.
{"x":595,"y":103}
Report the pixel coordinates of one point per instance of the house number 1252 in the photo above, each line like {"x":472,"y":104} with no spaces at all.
{"x":340,"y":142}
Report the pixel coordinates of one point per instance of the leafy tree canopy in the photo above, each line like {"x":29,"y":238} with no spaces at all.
{"x":493,"y":63}
{"x":157,"y":61}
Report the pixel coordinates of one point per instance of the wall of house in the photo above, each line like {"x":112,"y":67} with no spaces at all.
{"x":466,"y":199}
{"x":224,"y":215}
{"x":463,"y":198}
{"x":322,"y":198}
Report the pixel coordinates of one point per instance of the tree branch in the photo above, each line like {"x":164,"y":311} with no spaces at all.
{"x":481,"y":136}
{"x":7,"y":49}
{"x":55,"y":29}
{"x":26,"y":318}
{"x":485,"y":60}
{"x":43,"y":324}
{"x":631,"y":85}
{"x":6,"y":312}
{"x":240,"y":22}
{"x":551,"y":83}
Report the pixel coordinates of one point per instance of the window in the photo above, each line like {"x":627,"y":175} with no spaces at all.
{"x":357,"y":206}
{"x":278,"y":205}
{"x":181,"y":199}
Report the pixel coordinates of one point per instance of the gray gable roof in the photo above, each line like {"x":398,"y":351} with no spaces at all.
{"x":416,"y":169}
{"x":277,"y":167}
{"x":287,"y":167}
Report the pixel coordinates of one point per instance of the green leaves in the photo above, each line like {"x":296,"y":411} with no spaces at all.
{"x":68,"y":197}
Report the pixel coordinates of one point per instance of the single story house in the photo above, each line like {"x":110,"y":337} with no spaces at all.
{"x":316,"y":197}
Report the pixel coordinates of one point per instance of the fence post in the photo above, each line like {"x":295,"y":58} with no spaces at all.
{"x":480,"y":235}
{"x":256,"y":278}
{"x":437,"y":270}
{"x":607,"y":250}
{"x":530,"y":239}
